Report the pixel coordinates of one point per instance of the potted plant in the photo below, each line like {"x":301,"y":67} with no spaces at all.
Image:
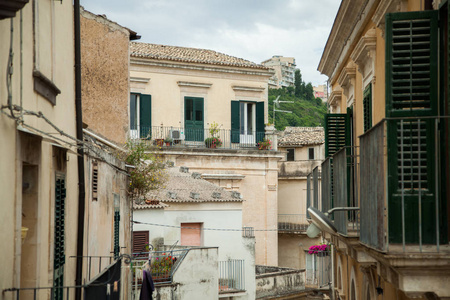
{"x":213,"y":142}
{"x":168,"y":141}
{"x":320,"y":250}
{"x":265,"y":144}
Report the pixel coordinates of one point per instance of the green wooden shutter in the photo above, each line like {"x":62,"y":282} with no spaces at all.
{"x":116,"y":234}
{"x":335,"y":133}
{"x":367,"y":107}
{"x":235,"y":117}
{"x":145,"y":116}
{"x":260,"y":131}
{"x":411,"y":91}
{"x":59,"y":257}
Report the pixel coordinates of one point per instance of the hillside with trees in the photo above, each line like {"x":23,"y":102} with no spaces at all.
{"x":306,"y":110}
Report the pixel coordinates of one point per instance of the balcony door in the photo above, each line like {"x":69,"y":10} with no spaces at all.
{"x":140,"y":116}
{"x":247,"y":130}
{"x":193,"y":119}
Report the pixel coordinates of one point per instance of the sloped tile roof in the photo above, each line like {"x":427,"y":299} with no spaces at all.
{"x":186,"y":188}
{"x":301,"y":136}
{"x":191,"y":55}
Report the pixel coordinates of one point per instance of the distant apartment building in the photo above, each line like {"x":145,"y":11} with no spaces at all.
{"x":321,"y":92}
{"x":284,"y":68}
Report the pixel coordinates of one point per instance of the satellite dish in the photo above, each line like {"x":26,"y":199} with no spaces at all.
{"x":320,"y":222}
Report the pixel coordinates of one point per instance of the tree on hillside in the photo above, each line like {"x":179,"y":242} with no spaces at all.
{"x":298,"y":83}
{"x":309,"y":92}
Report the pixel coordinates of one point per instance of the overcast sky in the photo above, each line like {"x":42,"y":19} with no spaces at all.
{"x":251,"y":29}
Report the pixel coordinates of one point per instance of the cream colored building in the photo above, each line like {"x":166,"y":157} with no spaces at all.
{"x":385,"y":138}
{"x":178,"y":93}
{"x":39,"y":176}
{"x":284,"y":68}
{"x":304,"y":152}
{"x":39,"y":180}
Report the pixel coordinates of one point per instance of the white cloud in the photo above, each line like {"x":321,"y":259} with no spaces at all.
{"x":250,"y":29}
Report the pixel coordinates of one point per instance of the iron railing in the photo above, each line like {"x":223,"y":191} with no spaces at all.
{"x":94,"y":264}
{"x":327,"y":184}
{"x":401,"y":181}
{"x":248,"y":232}
{"x":162,"y":265}
{"x":170,"y":136}
{"x":231,"y":275}
{"x":95,"y":289}
{"x":292,"y":223}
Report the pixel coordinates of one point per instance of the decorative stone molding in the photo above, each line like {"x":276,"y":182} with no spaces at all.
{"x":335,"y":98}
{"x":194,"y":84}
{"x":138,"y":84}
{"x":45,"y":87}
{"x":248,"y":88}
{"x":223,"y":176}
{"x":346,"y":80}
{"x":364,"y":54}
{"x":385,"y":6}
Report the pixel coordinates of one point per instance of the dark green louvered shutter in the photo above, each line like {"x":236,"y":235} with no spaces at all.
{"x":116,"y":234}
{"x":145,"y":115}
{"x":336,"y":135}
{"x":59,"y":257}
{"x":411,"y":91}
{"x":260,"y":132}
{"x":235,"y":121}
{"x":367,"y":107}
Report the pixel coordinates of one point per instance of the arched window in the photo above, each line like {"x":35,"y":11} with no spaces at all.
{"x":353,"y":291}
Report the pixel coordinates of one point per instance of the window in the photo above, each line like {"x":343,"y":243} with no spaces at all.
{"x":94,"y":180}
{"x":191,"y":234}
{"x":140,"y":116}
{"x":140,"y":241}
{"x":290,"y":155}
{"x":193,"y":119}
{"x":310,"y":153}
{"x":367,"y":107}
{"x":247,"y":122}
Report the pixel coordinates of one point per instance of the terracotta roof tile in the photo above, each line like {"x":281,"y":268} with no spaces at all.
{"x":184,"y":188}
{"x":301,"y":136}
{"x":192,"y":55}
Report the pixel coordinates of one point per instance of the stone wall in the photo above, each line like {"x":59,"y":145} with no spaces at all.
{"x":104,"y":71}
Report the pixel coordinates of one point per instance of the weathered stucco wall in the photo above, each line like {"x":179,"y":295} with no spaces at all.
{"x":271,"y":282}
{"x":258,"y":188}
{"x":105,"y":86}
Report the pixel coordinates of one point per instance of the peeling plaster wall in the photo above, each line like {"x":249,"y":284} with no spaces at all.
{"x":104,"y":71}
{"x":278,"y":282}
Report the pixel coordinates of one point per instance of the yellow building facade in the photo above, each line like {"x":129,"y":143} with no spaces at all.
{"x":387,"y":151}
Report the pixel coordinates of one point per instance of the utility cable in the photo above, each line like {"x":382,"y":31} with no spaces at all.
{"x":214,"y":229}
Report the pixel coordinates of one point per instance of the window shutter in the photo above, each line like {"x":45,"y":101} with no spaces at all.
{"x":59,"y":258}
{"x":367,"y":107}
{"x":335,"y":133}
{"x":411,"y":63}
{"x":140,"y":240}
{"x":411,"y":91}
{"x":145,"y":115}
{"x":116,"y":234}
{"x":235,"y":121}
{"x":260,"y":131}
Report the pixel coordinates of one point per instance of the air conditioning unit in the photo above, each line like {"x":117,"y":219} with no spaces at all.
{"x":176,"y":134}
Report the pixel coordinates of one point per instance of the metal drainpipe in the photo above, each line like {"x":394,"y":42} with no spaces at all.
{"x":80,"y":158}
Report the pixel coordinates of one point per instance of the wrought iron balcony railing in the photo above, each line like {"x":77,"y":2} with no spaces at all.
{"x":292,"y":223}
{"x":169,"y":136}
{"x":231,"y":275}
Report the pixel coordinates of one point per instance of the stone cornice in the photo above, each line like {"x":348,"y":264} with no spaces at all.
{"x":365,"y":49}
{"x":139,"y":79}
{"x":223,"y":176}
{"x":385,"y":6}
{"x":335,"y":97}
{"x":248,"y":88}
{"x":347,"y":76}
{"x":194,"y":84}
{"x":198,"y":67}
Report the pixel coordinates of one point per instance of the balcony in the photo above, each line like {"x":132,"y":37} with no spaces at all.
{"x":397,"y":179}
{"x":292,"y":223}
{"x":180,"y":137}
{"x":403,"y":185}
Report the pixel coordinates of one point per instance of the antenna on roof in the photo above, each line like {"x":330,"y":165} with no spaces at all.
{"x":276,"y":103}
